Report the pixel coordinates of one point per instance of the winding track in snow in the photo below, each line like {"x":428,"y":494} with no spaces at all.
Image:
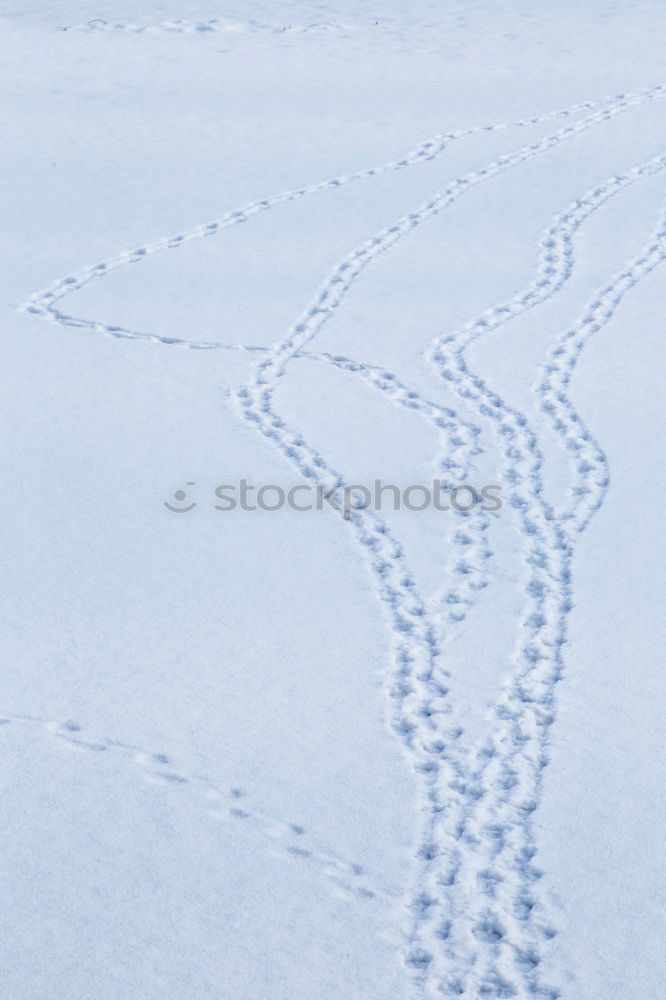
{"x":443,"y":770}
{"x":419,"y":696}
{"x":43,"y":303}
{"x":590,"y":465}
{"x":233,"y":805}
{"x":183,"y":26}
{"x":509,"y":768}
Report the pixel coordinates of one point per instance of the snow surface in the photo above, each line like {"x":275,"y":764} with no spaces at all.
{"x":278,"y":756}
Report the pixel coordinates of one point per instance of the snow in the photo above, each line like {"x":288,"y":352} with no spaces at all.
{"x":255,"y":755}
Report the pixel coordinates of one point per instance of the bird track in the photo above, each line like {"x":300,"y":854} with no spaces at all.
{"x":232,"y":805}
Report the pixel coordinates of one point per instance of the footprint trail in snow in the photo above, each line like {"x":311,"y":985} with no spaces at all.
{"x":474,"y":921}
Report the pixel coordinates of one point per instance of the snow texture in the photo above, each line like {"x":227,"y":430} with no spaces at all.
{"x":284,"y":755}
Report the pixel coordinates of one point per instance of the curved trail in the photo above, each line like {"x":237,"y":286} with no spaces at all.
{"x":447,"y":782}
{"x":489,"y":834}
{"x":286,"y":840}
{"x":183,"y":26}
{"x":43,"y":303}
{"x":499,"y":871}
{"x":457,"y":444}
{"x":590,"y":465}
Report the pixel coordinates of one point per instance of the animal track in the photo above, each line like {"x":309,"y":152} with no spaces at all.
{"x":42,"y":303}
{"x":183,"y":26}
{"x":284,"y":840}
{"x":418,"y":691}
{"x":476,"y":805}
{"x":590,"y":465}
{"x":511,"y":765}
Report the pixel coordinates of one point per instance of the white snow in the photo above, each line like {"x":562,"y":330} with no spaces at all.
{"x":281,"y":755}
